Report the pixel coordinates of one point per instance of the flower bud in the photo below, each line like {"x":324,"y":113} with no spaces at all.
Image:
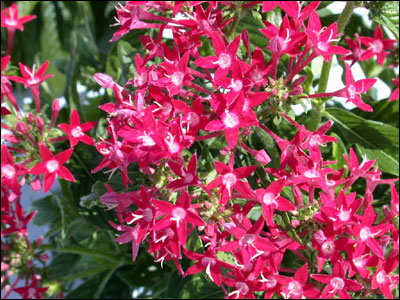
{"x":30,"y":117}
{"x":40,"y":124}
{"x":104,"y":80}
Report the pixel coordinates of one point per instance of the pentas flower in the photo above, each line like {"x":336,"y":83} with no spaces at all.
{"x":144,"y":217}
{"x":188,"y":176}
{"x":244,"y":285}
{"x":17,"y":222}
{"x":10,"y":172}
{"x":376,"y":46}
{"x":75,"y":130}
{"x":355,"y":48}
{"x":270,"y":199}
{"x":249,"y":242}
{"x":207,"y":261}
{"x":11,"y":20}
{"x":230,"y":118}
{"x":52,"y":166}
{"x":129,"y":234}
{"x":6,"y":87}
{"x":337,"y":283}
{"x":382,"y":278}
{"x":32,"y":79}
{"x":182,"y":213}
{"x":225,"y":56}
{"x":31,"y":291}
{"x":352,"y":91}
{"x":366,"y":233}
{"x":229,"y":180}
{"x":297,"y":287}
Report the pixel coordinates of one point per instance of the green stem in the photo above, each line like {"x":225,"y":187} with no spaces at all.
{"x":318,"y":104}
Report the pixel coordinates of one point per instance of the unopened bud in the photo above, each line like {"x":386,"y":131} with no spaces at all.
{"x":104,"y":80}
{"x":40,"y":124}
{"x":298,"y":81}
{"x":30,"y":117}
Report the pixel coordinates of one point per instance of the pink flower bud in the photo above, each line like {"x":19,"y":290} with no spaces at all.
{"x":298,"y":81}
{"x":40,"y":124}
{"x":262,"y":157}
{"x":39,"y":241}
{"x":104,"y":80}
{"x":36,"y":185}
{"x":296,"y":91}
{"x":30,"y":117}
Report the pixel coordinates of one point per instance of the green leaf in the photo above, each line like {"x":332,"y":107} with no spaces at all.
{"x":98,"y":190}
{"x":48,"y":211}
{"x":374,"y":139}
{"x":387,"y":14}
{"x":338,"y":149}
{"x":200,"y":288}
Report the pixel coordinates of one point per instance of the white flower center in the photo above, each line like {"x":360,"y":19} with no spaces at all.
{"x":230,"y":120}
{"x":377,"y":46}
{"x":359,"y":262}
{"x":188,"y":178}
{"x":224,"y":61}
{"x":178,"y":213}
{"x":295,"y":287}
{"x":344,"y":215}
{"x":229,"y":179}
{"x":337,"y":283}
{"x":193,"y":118}
{"x":8,"y":171}
{"x":352,"y":91}
{"x":147,"y":214}
{"x":328,"y":247}
{"x":269,"y":200}
{"x":312,"y":173}
{"x":177,"y":78}
{"x":365,"y":233}
{"x":52,"y":165}
{"x":242,"y":287}
{"x":381,"y":277}
{"x":270,"y":281}
{"x":208,"y":261}
{"x":147,"y":140}
{"x":247,"y":239}
{"x":236,"y":85}
{"x":77,"y":132}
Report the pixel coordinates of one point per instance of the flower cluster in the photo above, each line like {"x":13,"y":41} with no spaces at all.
{"x":242,"y":223}
{"x":25,"y":154}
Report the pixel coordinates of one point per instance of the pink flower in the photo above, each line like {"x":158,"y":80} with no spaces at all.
{"x":76,"y":130}
{"x":10,"y":172}
{"x":10,"y":20}
{"x":52,"y":166}
{"x":395,"y":93}
{"x":376,"y":46}
{"x":32,"y":79}
{"x":337,"y":283}
{"x":18,"y":222}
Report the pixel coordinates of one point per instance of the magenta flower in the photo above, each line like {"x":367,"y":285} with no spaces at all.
{"x":76,"y":130}
{"x":270,"y":199}
{"x":395,"y":93}
{"x":52,"y":166}
{"x":32,"y":79}
{"x":188,"y":176}
{"x":31,"y":291}
{"x":182,"y":213}
{"x":11,"y":20}
{"x":295,"y":288}
{"x":10,"y":172}
{"x":18,"y":222}
{"x":229,"y":180}
{"x":207,"y":261}
{"x":337,"y":283}
{"x":352,"y":91}
{"x":376,"y":46}
{"x":366,"y":233}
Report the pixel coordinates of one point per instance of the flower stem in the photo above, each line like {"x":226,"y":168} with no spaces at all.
{"x":319,"y":104}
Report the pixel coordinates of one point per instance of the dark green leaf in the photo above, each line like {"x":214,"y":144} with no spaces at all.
{"x":374,"y":139}
{"x":387,"y":14}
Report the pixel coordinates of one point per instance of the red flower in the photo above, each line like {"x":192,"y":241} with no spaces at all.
{"x":10,"y":171}
{"x":10,"y":20}
{"x":76,"y":130}
{"x":18,"y":222}
{"x":337,"y":283}
{"x":31,"y":291}
{"x":52,"y":166}
{"x":229,"y":179}
{"x":376,"y":46}
{"x":182,"y":213}
{"x":395,"y":93}
{"x":32,"y":79}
